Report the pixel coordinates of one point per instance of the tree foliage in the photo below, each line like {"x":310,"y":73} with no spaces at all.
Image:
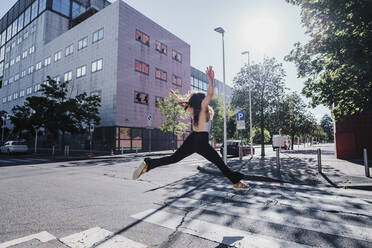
{"x":174,"y":116}
{"x":336,"y":61}
{"x":217,"y":122}
{"x":267,"y":85}
{"x":327,"y":125}
{"x":55,"y":111}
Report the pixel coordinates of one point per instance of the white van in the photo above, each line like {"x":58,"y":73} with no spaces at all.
{"x":282,"y":141}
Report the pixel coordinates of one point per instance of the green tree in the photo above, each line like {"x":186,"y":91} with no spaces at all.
{"x":336,"y":61}
{"x":217,"y":122}
{"x":56,"y":111}
{"x":267,"y":82}
{"x":174,"y":116}
{"x":257,"y":135}
{"x":327,"y":125}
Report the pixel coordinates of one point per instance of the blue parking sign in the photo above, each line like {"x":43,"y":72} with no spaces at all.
{"x":240,"y":116}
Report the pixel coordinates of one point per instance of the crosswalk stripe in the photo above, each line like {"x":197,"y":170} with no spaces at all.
{"x":323,"y":226}
{"x":299,"y":203}
{"x":213,"y":232}
{"x":42,"y":236}
{"x":99,"y":238}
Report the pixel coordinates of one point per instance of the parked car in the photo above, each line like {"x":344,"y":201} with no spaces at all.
{"x":14,"y":146}
{"x":233,"y":148}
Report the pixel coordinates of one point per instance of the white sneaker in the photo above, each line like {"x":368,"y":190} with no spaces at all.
{"x":142,"y":168}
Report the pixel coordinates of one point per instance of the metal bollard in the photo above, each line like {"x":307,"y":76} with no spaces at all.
{"x":136,"y":149}
{"x":122,"y":150}
{"x":240,"y":152}
{"x":278,"y":160}
{"x":366,"y":167}
{"x":319,"y":161}
{"x":65,"y":151}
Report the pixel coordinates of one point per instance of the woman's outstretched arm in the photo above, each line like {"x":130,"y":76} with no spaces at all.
{"x":210,"y":74}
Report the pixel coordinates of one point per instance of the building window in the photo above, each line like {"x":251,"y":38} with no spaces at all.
{"x":160,"y":47}
{"x":11,"y":62}
{"x":1,"y":71}
{"x":81,"y":71}
{"x":68,"y":76}
{"x":176,"y":80}
{"x":5,"y":82}
{"x":37,"y":87}
{"x":7,"y":49}
{"x":83,"y":43}
{"x":15,"y":28}
{"x":77,"y":9}
{"x":23,"y":74}
{"x":20,"y":21}
{"x":29,"y":90}
{"x":16,"y":77}
{"x":6,"y":66}
{"x":22,"y":93}
{"x":9,"y":33}
{"x":69,"y":50}
{"x":140,"y":97}
{"x":62,"y":6}
{"x":159,"y":74}
{"x":47,"y":61}
{"x":11,"y":80}
{"x":143,"y":38}
{"x":3,"y":38}
{"x":97,"y":65}
{"x":42,"y":5}
{"x":24,"y":54}
{"x":27,"y":16}
{"x":18,"y":58}
{"x":15,"y":95}
{"x":176,"y":56}
{"x":31,"y":50}
{"x":142,"y":67}
{"x":98,"y":35}
{"x":19,"y":41}
{"x":13,"y":45}
{"x":2,"y":53}
{"x":57,"y":79}
{"x":31,"y":69}
{"x":33,"y":29}
{"x":9,"y":98}
{"x":25,"y":35}
{"x":34,"y":10}
{"x":38,"y":66}
{"x":57,"y":56}
{"x":158,"y":99}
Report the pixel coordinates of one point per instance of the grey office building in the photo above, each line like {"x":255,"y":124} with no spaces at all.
{"x":199,"y":82}
{"x":110,"y":50}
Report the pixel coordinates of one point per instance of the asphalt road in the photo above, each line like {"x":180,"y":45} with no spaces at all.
{"x":96,"y":204}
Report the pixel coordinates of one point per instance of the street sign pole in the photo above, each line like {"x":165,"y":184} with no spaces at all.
{"x":240,"y":123}
{"x":149,"y":125}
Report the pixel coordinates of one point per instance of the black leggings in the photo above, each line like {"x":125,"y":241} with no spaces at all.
{"x":196,"y":142}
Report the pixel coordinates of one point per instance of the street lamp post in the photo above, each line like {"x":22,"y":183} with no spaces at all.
{"x":250,"y":108}
{"x":222,"y":31}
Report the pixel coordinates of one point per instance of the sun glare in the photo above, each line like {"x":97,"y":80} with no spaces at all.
{"x":261,"y":32}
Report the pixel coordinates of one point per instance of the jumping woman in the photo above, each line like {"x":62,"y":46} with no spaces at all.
{"x":201,"y":114}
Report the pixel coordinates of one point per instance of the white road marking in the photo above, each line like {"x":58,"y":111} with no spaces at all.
{"x":213,"y":232}
{"x":96,"y":237}
{"x":42,"y":236}
{"x":328,"y":227}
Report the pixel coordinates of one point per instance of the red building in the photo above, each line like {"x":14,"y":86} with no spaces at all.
{"x":352,"y":134}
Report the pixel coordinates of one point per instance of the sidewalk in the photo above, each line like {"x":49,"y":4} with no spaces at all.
{"x":300,"y":167}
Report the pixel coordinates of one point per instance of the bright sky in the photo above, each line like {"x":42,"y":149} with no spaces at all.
{"x":262,"y":27}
